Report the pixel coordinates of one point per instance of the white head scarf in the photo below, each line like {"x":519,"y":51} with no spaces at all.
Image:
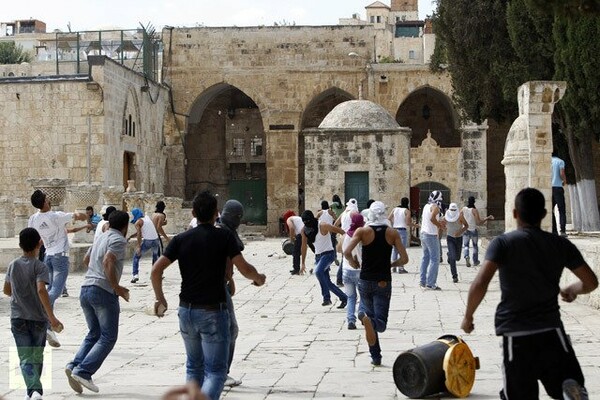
{"x":377,"y":214}
{"x":352,"y":205}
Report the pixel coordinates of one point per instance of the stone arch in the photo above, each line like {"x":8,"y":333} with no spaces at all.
{"x":429,"y":109}
{"x":131,"y":108}
{"x":321,"y":105}
{"x":225,"y":149}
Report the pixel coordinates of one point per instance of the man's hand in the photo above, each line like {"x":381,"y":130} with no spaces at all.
{"x":160,"y":307}
{"x":122,"y":292}
{"x":56,"y":325}
{"x":467,"y":324}
{"x":260,"y":280}
{"x":568,"y":295}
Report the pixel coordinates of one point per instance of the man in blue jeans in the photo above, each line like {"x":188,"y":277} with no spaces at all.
{"x":51,"y":225}
{"x":202,"y":254}
{"x":99,"y":298}
{"x":375,"y":283}
{"x":147,"y":239}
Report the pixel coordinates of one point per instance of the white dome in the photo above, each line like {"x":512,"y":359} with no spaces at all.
{"x":359,"y":115}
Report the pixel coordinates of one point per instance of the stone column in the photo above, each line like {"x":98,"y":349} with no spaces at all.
{"x":55,"y":189}
{"x":112,"y":196}
{"x":134,"y":200}
{"x":174,"y":216}
{"x":528,"y":149}
{"x":7,"y":220}
{"x":78,"y":198}
{"x":22,"y":210}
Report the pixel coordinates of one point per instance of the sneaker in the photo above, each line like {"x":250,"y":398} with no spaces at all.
{"x":336,"y":262}
{"x":340,"y":284}
{"x":65,"y":293}
{"x":370,"y":333}
{"x":435,"y":287}
{"x":52,"y":339}
{"x":455,"y":280}
{"x":468,"y":262}
{"x":572,"y":390}
{"x":231,"y":382}
{"x":351,"y":326}
{"x":422,"y":285}
{"x":401,"y":270}
{"x":294,"y":272}
{"x":35,"y":396}
{"x":76,"y":386}
{"x":375,"y":363}
{"x":394,"y":269}
{"x":564,"y":234}
{"x":86,"y":383}
{"x":342,"y":304}
{"x":135,"y":279}
{"x":326,"y":303}
{"x":476,"y":263}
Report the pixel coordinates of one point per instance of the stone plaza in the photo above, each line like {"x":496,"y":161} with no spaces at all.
{"x":289,"y":346}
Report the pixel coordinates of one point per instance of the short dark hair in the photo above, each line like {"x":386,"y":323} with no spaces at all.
{"x":89,"y":208}
{"x":324,"y":205}
{"x":371,"y":201}
{"x":205,"y":206}
{"x":404,"y":202}
{"x":38,"y":198}
{"x":531,"y":206}
{"x":29,"y":239}
{"x":118,"y":219}
{"x":160,"y":207}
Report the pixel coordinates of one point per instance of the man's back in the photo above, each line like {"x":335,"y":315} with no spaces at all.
{"x":557,"y":165}
{"x":202,"y":253}
{"x":51,"y":227}
{"x":530,"y":263}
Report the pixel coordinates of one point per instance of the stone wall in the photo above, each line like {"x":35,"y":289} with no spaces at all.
{"x":71,"y":128}
{"x":383,"y":154}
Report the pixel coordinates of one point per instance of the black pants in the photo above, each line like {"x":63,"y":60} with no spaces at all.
{"x":558,"y":198}
{"x":546,"y":356}
{"x":296,"y":253}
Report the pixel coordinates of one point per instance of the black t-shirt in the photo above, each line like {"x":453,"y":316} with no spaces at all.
{"x":376,"y":257}
{"x":202,"y":253}
{"x":530,"y":263}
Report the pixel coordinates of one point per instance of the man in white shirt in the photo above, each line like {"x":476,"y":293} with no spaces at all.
{"x":51,"y":225}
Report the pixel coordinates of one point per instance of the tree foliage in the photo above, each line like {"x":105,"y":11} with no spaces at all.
{"x":11,"y":53}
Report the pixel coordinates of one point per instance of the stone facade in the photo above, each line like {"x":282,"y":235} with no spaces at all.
{"x":528,"y":147}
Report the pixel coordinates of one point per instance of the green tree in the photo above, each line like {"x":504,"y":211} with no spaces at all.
{"x":11,"y":53}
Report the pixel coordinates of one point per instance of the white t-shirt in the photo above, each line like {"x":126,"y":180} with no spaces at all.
{"x":470,"y":218}
{"x":357,"y":251}
{"x":297,"y":224}
{"x":51,"y":227}
{"x":427,"y":226}
{"x":148,"y":229}
{"x":399,"y":217}
{"x":98,"y":231}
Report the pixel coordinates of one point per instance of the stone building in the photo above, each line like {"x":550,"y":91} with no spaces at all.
{"x":232,"y":110}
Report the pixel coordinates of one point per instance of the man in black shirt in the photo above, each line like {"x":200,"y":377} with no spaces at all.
{"x":530,"y":262}
{"x":202,"y":254}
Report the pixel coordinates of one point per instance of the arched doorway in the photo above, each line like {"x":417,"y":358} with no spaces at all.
{"x":225,"y":150}
{"x":428,"y":109}
{"x":425,"y":189}
{"x":316,"y":110}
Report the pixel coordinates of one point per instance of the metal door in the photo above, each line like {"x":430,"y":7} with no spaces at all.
{"x":357,"y":186}
{"x":253,"y":196}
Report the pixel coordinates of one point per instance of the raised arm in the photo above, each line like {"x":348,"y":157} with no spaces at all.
{"x":588,"y":282}
{"x":248,"y":270}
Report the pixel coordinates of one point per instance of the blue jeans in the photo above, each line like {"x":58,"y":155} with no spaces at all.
{"x":30,"y":338}
{"x":58,"y":269}
{"x":404,"y":237}
{"x":233,"y":329}
{"x":323,"y":263}
{"x":350,"y":278}
{"x":206,"y":338}
{"x":430,"y":263}
{"x":454,"y":244}
{"x":154,"y":245}
{"x":471,"y":236}
{"x":101,"y":310}
{"x":375,"y":303}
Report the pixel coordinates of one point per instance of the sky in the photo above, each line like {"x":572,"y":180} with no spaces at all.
{"x":127,"y":14}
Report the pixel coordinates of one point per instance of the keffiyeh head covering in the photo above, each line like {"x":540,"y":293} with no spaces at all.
{"x":352,"y":205}
{"x":357,"y":222}
{"x":452,"y":213}
{"x":435,"y":198}
{"x":376,"y":215}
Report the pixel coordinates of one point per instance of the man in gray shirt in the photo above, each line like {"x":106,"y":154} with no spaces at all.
{"x":99,"y":299}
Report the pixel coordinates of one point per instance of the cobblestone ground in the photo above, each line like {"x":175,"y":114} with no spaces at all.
{"x":289,"y":347}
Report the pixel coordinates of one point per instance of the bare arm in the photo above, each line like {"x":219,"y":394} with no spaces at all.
{"x":303,"y":251}
{"x":156,"y":276}
{"x":477,"y":292}
{"x":138,"y":235}
{"x":434,"y":220}
{"x":291,"y":230}
{"x":464,"y":224}
{"x":7,"y":289}
{"x":79,"y":228}
{"x":588,"y":282}
{"x":328,"y":228}
{"x":563,"y":177}
{"x":45,"y":300}
{"x":80,"y":216}
{"x":356,"y":239}
{"x":248,"y":270}
{"x":478,"y":219}
{"x":159,"y":221}
{"x":108,"y":263}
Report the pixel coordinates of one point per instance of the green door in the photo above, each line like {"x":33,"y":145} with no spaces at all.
{"x":357,"y":186}
{"x":253,"y":196}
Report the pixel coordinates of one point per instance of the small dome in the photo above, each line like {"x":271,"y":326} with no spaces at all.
{"x":359,"y":115}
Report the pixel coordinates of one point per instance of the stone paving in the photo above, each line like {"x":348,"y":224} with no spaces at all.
{"x":289,"y":347}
